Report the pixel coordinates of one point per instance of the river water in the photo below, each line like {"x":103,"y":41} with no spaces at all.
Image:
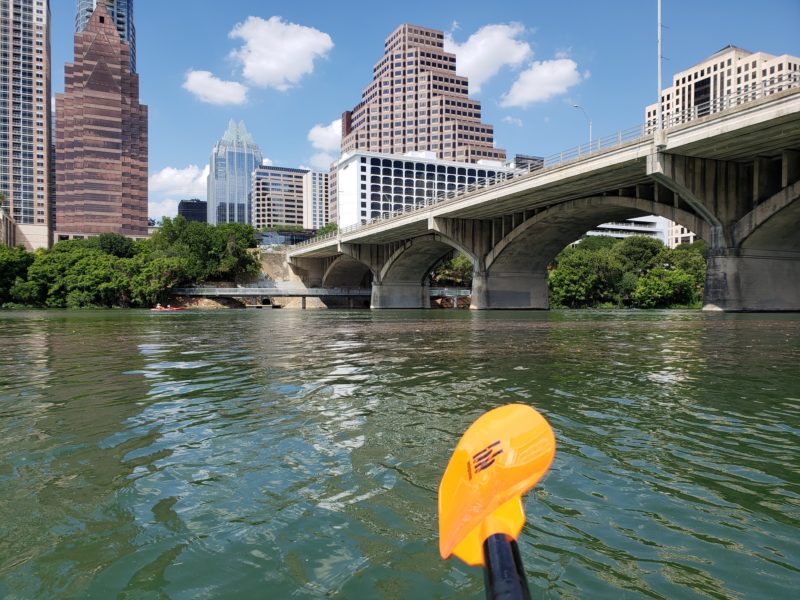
{"x":277,"y":454}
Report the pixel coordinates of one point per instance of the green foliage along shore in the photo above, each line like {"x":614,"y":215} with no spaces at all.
{"x":111,"y":270}
{"x":636,"y":272}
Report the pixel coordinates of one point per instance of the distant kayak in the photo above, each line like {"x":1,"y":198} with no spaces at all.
{"x":167,"y":308}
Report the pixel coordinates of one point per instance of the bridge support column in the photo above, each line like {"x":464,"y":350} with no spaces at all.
{"x":740,"y":280}
{"x":521,"y":291}
{"x":400,"y":295}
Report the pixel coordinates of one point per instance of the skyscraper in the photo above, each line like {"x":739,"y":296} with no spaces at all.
{"x":25,"y":134}
{"x":416,"y":102}
{"x":316,"y":200}
{"x":277,"y":196}
{"x":233,"y":160}
{"x":121,"y":13}
{"x":101,"y":138}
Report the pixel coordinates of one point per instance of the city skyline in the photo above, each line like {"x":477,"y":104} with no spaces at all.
{"x":292,"y":114}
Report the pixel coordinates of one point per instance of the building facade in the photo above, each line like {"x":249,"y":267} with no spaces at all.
{"x":728,"y":77}
{"x":649,"y":226}
{"x":193,"y":210}
{"x":234,"y":158}
{"x":121,"y":13}
{"x":277,"y":196}
{"x":371,"y":185}
{"x":101,"y":139}
{"x":416,"y":102}
{"x":316,"y":199}
{"x":25,"y":119}
{"x":678,"y":234}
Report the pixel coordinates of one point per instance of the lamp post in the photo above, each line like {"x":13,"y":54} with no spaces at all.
{"x":585,"y":114}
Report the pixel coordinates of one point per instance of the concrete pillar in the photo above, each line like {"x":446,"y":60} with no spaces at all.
{"x":510,"y":291}
{"x":755,"y":280}
{"x":303,"y":302}
{"x":400,"y":295}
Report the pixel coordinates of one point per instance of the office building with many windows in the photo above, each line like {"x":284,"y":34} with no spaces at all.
{"x":277,"y":196}
{"x":101,"y":139}
{"x":25,"y":119}
{"x":726,"y":78}
{"x":121,"y":14}
{"x":416,"y":102}
{"x":316,"y":205}
{"x":234,"y":158}
{"x":371,"y":185}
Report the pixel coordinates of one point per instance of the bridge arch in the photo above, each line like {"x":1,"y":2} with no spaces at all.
{"x":516,"y":267}
{"x":413,"y":261}
{"x":346,"y":271}
{"x":772,"y":225}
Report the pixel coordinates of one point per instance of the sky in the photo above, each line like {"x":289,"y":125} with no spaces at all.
{"x":290,"y":69}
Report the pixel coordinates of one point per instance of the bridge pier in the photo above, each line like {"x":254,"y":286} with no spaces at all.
{"x":509,"y":291}
{"x":740,"y":280}
{"x":400,"y":295}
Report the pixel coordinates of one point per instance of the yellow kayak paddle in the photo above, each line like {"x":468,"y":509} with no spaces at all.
{"x":500,"y":457}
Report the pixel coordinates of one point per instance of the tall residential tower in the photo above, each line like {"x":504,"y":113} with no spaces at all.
{"x":101,"y":138}
{"x":233,"y":160}
{"x":416,"y":102}
{"x":25,"y":130}
{"x":121,"y":13}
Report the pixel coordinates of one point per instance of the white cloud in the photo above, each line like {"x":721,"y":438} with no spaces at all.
{"x":189,"y":182}
{"x":542,"y":81}
{"x":267,"y":162}
{"x":322,"y":161}
{"x":209,"y":88}
{"x":158,"y":209}
{"x":487,"y":51}
{"x":512,"y":121}
{"x":326,"y":137}
{"x":278,"y":54}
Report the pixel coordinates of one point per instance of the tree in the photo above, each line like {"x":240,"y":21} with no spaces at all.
{"x":14,"y":264}
{"x":585,"y":278}
{"x":455,"y":272}
{"x":329,"y":228}
{"x":662,"y":288}
{"x":639,"y":254}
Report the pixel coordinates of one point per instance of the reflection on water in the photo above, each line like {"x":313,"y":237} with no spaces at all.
{"x":199,"y":455}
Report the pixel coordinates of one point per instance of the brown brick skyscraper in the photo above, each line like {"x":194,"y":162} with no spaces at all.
{"x":416,"y":102}
{"x":101,"y":138}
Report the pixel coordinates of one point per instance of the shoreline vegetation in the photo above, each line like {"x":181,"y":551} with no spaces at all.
{"x":112,"y":271}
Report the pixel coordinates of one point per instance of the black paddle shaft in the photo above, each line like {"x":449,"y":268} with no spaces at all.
{"x":504,"y":575}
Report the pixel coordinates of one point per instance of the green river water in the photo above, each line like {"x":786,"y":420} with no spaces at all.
{"x":297,"y":454}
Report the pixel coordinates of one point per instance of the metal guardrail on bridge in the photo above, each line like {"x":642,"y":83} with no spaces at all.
{"x":274,"y":292}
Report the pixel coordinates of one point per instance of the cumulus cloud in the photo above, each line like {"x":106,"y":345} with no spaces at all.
{"x":277,"y":54}
{"x":541,"y":81}
{"x":487,"y":51}
{"x":209,"y":88}
{"x":158,"y":209}
{"x":322,"y":161}
{"x":189,"y":182}
{"x":326,"y":137}
{"x":512,"y":121}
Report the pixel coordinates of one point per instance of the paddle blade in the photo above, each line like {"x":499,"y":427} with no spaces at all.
{"x":500,"y":457}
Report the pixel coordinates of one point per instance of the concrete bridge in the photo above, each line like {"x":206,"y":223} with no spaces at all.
{"x":732,"y":177}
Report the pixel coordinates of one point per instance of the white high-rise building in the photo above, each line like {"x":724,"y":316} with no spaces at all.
{"x":233,"y":161}
{"x":371,"y":185}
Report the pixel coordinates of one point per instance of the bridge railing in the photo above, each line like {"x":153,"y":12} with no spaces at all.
{"x":774,"y":85}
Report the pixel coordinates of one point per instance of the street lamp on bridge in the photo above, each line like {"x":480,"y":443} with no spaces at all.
{"x":588,"y":118}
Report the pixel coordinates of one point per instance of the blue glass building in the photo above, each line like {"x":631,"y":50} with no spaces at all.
{"x":233,"y":161}
{"x":119,"y":10}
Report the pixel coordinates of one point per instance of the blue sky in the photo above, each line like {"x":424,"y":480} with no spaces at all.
{"x":203,"y":62}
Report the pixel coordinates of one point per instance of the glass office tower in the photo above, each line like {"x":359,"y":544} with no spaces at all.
{"x":120,"y":11}
{"x":233,"y":161}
